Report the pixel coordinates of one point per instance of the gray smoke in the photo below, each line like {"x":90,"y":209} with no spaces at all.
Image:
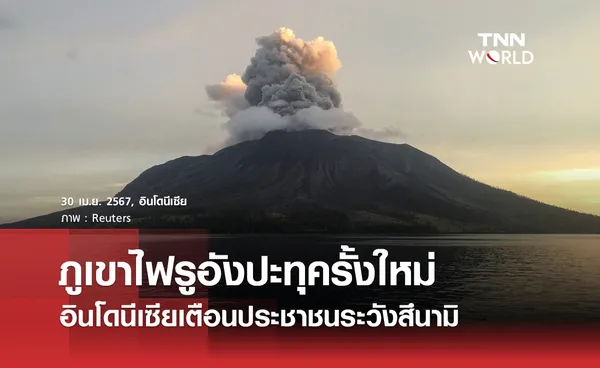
{"x":287,"y":86}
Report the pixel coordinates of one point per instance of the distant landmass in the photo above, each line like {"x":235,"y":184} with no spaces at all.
{"x":316,"y":181}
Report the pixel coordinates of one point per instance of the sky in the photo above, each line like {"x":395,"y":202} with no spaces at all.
{"x":94,"y":92}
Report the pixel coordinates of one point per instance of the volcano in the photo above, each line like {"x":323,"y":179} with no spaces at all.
{"x":314,"y":180}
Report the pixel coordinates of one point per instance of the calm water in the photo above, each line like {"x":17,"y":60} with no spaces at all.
{"x":532,"y":278}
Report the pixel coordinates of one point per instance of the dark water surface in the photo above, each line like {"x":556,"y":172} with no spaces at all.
{"x":509,"y":278}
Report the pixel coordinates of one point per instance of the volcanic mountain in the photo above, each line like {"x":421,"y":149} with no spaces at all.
{"x":314,"y":180}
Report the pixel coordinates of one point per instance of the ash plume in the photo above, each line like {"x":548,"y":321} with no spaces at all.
{"x":287,"y":86}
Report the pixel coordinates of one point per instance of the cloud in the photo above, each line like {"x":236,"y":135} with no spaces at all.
{"x":288,"y":85}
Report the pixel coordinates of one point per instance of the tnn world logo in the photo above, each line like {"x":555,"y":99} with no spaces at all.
{"x":502,"y":48}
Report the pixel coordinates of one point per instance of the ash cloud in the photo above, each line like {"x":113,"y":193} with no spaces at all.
{"x":287,"y":86}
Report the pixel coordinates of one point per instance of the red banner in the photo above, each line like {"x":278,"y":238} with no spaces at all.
{"x":31,"y":332}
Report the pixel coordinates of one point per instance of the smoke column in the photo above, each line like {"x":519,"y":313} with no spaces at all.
{"x":287,"y":86}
